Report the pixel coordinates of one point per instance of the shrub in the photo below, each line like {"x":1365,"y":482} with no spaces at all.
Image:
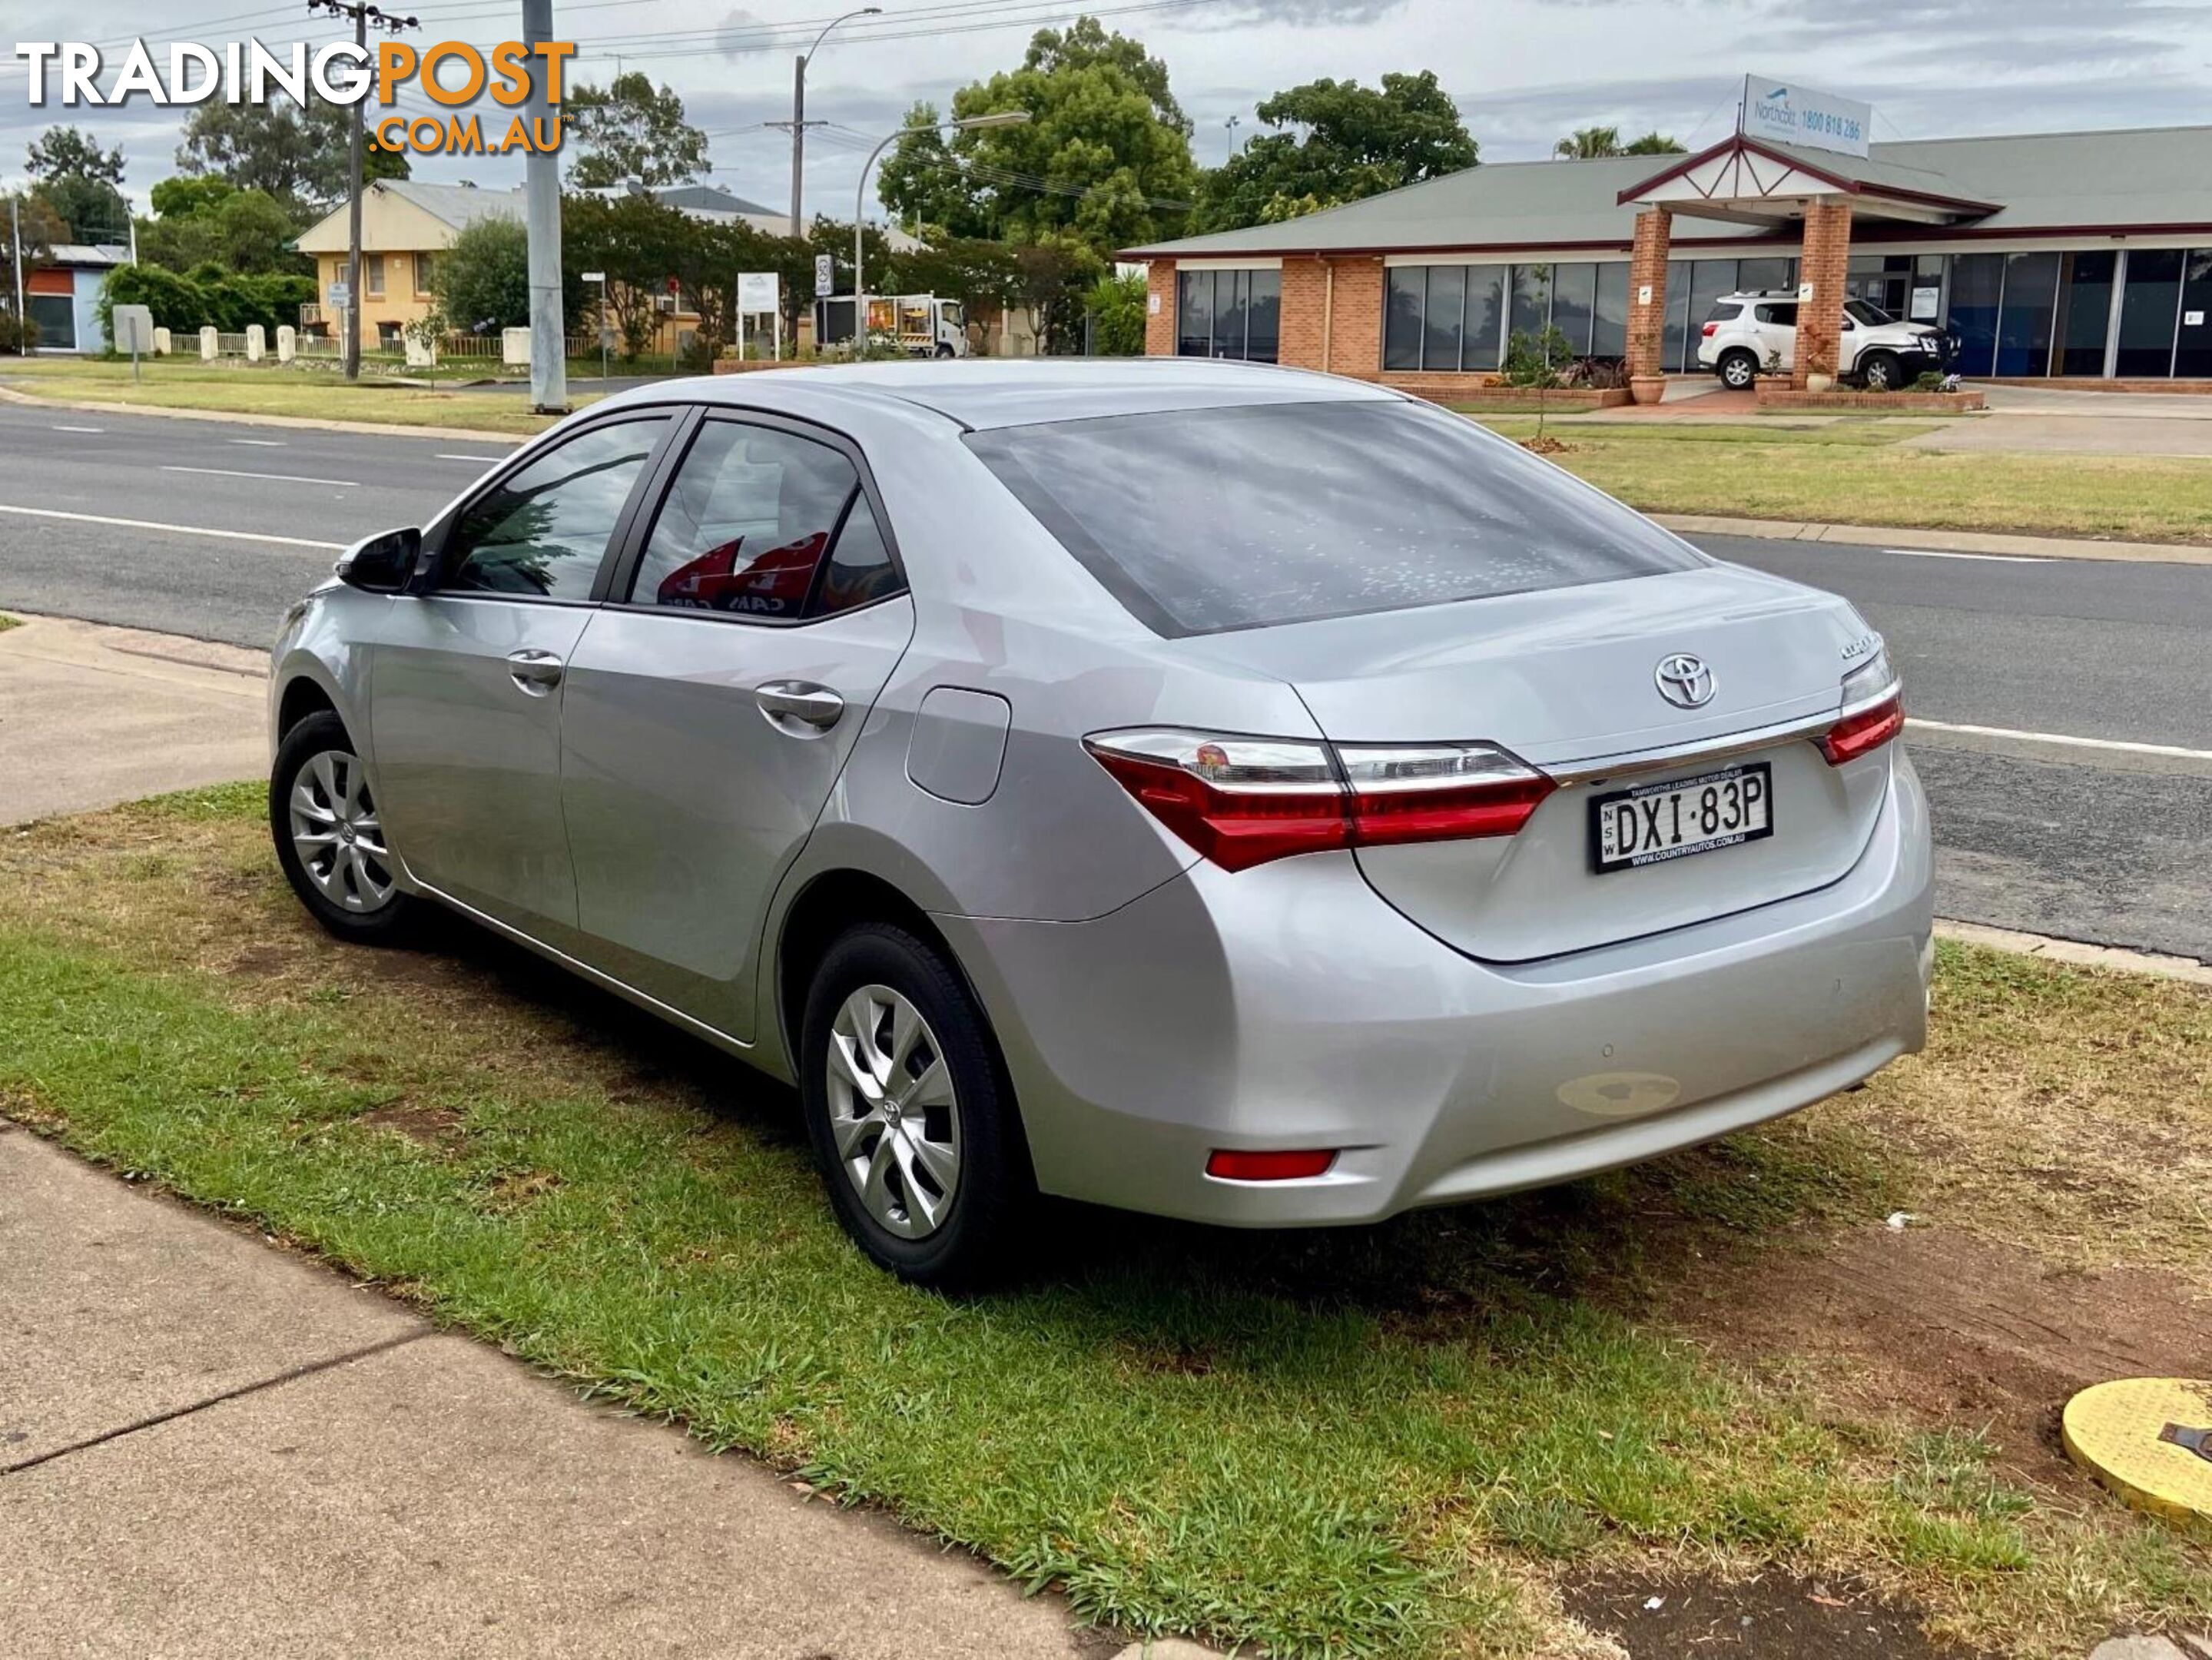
{"x":1116,"y":306}
{"x":208,"y":297}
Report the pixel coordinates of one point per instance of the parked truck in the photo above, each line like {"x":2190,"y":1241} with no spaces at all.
{"x":921,"y":324}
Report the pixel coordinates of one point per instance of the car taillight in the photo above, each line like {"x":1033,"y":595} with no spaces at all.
{"x":1864,"y":730}
{"x":1242,"y":801}
{"x":1874,"y":711}
{"x":1710,"y":329}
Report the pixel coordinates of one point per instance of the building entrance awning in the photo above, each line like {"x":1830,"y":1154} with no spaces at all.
{"x":1756,"y":181}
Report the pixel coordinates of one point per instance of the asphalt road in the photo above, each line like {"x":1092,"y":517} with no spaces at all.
{"x":212,"y":529}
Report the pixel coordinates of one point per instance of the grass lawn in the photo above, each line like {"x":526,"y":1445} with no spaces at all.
{"x":1420,"y":1440}
{"x":317,"y":394}
{"x":1850,"y":473}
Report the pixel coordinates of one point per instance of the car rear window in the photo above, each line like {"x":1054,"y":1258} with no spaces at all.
{"x":1723,"y":311}
{"x":1202,"y":520}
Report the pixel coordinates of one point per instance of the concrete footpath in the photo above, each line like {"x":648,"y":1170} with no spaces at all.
{"x":91,"y":716}
{"x":209,"y":1446}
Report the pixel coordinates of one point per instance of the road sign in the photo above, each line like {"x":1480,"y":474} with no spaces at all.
{"x":825,"y":276}
{"x":756,"y":293}
{"x":337,"y":296}
{"x":595,"y":276}
{"x":134,"y":329}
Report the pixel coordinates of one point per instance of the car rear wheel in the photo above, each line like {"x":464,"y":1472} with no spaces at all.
{"x":1882,"y":372}
{"x":1738,"y":369}
{"x":330,"y":835}
{"x":912,"y":1126}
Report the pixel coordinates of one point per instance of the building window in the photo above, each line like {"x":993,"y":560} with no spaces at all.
{"x":1574,"y":292}
{"x":1229,"y":314}
{"x":1609,"y":333}
{"x":1977,"y":291}
{"x":372,"y":275}
{"x":2030,"y":292}
{"x":1447,"y":317}
{"x":2192,"y":351}
{"x":1443,"y":318}
{"x":2085,"y":312}
{"x":54,"y":317}
{"x":426,"y":274}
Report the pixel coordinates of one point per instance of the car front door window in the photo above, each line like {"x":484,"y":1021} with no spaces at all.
{"x":541,"y":533}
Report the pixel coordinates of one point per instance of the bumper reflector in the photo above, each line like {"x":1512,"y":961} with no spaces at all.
{"x":1230,"y":1165}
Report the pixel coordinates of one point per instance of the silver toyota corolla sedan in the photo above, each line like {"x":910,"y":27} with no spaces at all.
{"x":1241,"y":794}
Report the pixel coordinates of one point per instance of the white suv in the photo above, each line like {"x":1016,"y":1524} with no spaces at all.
{"x":1747,"y":335}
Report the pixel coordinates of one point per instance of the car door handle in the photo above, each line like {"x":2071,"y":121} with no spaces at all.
{"x":799,"y":709}
{"x":536,"y":673}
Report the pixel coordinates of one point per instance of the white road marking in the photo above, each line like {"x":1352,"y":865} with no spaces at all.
{"x":2174,"y":749}
{"x":61,"y":429}
{"x":171,"y":530}
{"x":1990,"y":558}
{"x":482,"y":460}
{"x":259,"y":443}
{"x":275,"y":477}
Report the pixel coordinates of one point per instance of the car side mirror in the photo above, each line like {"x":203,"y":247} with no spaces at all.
{"x":381,"y":563}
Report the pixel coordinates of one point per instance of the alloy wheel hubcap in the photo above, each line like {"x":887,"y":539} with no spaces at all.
{"x":893,"y":1113}
{"x":338,"y":835}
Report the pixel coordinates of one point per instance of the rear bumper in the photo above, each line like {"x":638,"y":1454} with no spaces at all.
{"x":1288,"y":1007}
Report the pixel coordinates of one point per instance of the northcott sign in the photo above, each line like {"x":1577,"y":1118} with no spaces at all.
{"x":1803,"y":115}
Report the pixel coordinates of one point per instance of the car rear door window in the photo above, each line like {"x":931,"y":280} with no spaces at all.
{"x":749,"y":527}
{"x":1200,"y":521}
{"x":1781,"y":316}
{"x":541,"y":532}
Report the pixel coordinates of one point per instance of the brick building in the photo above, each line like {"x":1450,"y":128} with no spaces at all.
{"x":2076,"y":255}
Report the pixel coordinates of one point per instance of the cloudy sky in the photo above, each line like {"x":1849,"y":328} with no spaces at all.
{"x":1523,"y":71}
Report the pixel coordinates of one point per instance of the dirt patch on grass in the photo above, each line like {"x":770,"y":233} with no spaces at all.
{"x":432,"y":1127}
{"x":1948,"y":1330}
{"x":1771,"y":1617}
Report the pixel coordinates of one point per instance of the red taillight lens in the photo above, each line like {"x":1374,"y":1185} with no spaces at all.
{"x":1232,"y":1166}
{"x":1710,"y":329}
{"x":1242,"y":801}
{"x":1864,"y":730}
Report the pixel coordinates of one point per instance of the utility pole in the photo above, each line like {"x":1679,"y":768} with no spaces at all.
{"x":363,"y":15}
{"x":799,"y":121}
{"x":549,"y":334}
{"x":15,"y":230}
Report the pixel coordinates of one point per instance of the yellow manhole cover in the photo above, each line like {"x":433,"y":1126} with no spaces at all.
{"x":2150,"y":1440}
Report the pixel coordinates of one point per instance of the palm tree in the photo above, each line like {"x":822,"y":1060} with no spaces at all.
{"x":1654,"y":142}
{"x":1588,"y":143}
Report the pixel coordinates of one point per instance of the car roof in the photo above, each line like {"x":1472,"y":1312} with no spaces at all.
{"x":981,"y":393}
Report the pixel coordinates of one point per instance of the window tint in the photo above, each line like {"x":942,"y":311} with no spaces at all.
{"x":542,"y":532}
{"x":748,"y":522}
{"x":1872,"y":316}
{"x":1724,"y":312}
{"x":1204,"y":520}
{"x":1784,"y":315}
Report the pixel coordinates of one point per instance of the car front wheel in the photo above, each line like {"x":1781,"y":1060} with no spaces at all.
{"x":1882,"y":372}
{"x":911,"y":1125}
{"x":330,"y":834}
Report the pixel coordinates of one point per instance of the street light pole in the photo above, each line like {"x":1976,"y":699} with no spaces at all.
{"x":799,"y":113}
{"x":970,"y":123}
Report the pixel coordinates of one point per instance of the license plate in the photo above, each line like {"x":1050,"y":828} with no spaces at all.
{"x":1655,"y":823}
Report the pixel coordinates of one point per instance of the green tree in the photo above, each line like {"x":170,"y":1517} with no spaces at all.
{"x":80,"y":182}
{"x":482,"y":281}
{"x":628,"y":130}
{"x":203,"y":220}
{"x":1334,"y":142}
{"x":1589,"y":144}
{"x":641,"y":245}
{"x":297,"y":154}
{"x":1117,"y":308}
{"x":1105,"y":157}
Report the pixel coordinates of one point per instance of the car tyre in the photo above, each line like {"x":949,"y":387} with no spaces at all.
{"x":912,"y":1122}
{"x":330,"y":836}
{"x":1738,"y":369}
{"x":944,"y":349}
{"x":1882,"y":372}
